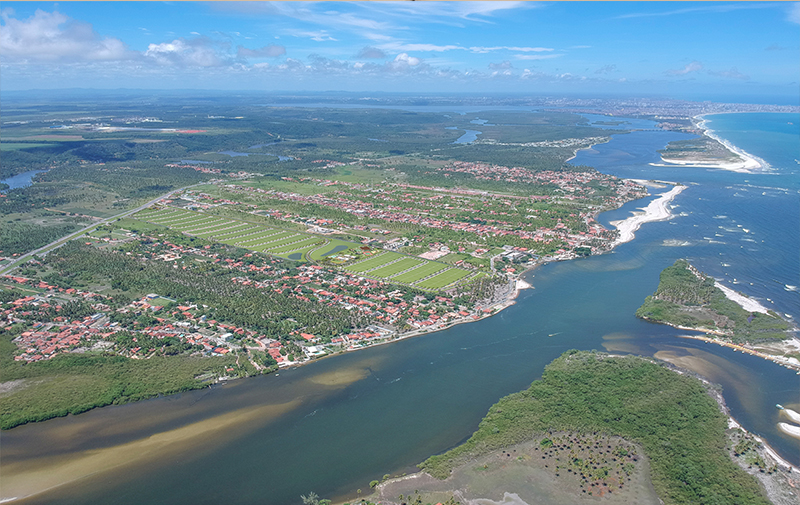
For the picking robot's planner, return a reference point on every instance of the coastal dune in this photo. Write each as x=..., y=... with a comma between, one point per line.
x=657, y=210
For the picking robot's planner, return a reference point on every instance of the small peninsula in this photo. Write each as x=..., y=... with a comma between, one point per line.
x=688, y=299
x=709, y=151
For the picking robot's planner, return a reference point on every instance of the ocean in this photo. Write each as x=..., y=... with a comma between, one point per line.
x=333, y=426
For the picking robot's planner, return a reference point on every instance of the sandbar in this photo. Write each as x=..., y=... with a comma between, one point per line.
x=792, y=415
x=657, y=210
x=790, y=429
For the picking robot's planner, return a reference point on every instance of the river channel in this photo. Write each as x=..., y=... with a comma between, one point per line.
x=334, y=425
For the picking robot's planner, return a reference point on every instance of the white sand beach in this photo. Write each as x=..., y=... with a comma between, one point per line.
x=657, y=210
x=746, y=303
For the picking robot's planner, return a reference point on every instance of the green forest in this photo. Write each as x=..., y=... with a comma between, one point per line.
x=671, y=416
x=74, y=383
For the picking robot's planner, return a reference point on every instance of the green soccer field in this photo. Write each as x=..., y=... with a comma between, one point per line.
x=420, y=272
x=374, y=262
x=443, y=279
x=395, y=268
x=387, y=265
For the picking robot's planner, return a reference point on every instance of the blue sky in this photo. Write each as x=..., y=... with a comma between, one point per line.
x=678, y=49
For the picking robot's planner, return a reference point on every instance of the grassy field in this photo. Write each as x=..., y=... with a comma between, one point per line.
x=302, y=246
x=340, y=246
x=374, y=262
x=295, y=245
x=14, y=146
x=395, y=268
x=443, y=279
x=225, y=229
x=420, y=272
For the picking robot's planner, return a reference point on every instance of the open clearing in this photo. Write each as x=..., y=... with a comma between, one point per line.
x=536, y=473
x=299, y=246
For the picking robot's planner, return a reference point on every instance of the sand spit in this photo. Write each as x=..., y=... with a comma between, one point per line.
x=657, y=210
x=792, y=415
x=748, y=164
x=790, y=429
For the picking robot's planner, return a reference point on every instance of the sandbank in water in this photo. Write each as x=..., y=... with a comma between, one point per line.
x=657, y=210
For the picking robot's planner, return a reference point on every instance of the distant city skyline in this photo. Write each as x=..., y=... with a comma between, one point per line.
x=737, y=51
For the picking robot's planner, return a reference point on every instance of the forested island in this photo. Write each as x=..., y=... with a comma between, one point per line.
x=596, y=425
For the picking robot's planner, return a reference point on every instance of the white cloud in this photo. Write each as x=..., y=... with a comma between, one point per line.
x=198, y=52
x=54, y=36
x=691, y=67
x=607, y=69
x=405, y=59
x=505, y=65
x=399, y=46
x=308, y=13
x=319, y=35
x=378, y=37
x=537, y=56
x=271, y=51
x=446, y=12
x=705, y=8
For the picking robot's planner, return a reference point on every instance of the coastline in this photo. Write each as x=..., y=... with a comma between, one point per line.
x=750, y=164
x=780, y=360
x=575, y=151
x=657, y=210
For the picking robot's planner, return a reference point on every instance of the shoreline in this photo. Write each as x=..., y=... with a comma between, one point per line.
x=750, y=164
x=496, y=308
x=779, y=360
x=575, y=151
x=657, y=210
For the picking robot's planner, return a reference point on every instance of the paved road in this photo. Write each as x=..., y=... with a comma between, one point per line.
x=52, y=245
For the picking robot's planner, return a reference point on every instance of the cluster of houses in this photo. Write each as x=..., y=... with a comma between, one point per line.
x=48, y=338
x=376, y=301
x=367, y=209
x=568, y=181
x=396, y=200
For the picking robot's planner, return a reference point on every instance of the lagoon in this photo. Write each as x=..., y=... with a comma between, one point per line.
x=22, y=180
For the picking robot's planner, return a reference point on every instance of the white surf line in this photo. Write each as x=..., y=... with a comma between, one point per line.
x=744, y=302
x=657, y=210
x=748, y=164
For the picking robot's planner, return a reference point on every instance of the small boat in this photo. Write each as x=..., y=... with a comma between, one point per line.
x=779, y=406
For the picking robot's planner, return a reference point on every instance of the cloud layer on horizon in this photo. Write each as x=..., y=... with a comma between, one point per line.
x=268, y=43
